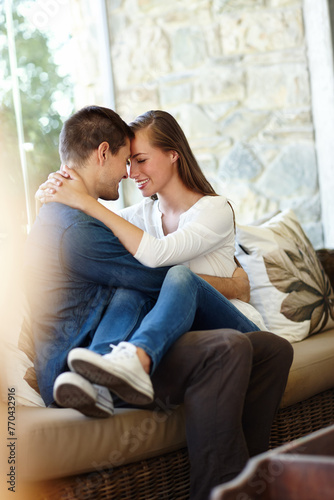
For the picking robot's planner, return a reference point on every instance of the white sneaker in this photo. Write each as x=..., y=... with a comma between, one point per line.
x=120, y=371
x=70, y=390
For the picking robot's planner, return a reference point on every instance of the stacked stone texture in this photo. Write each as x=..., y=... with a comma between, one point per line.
x=235, y=74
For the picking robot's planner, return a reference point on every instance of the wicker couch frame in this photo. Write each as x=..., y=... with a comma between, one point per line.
x=167, y=476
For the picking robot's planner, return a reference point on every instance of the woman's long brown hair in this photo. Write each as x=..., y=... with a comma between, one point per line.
x=165, y=133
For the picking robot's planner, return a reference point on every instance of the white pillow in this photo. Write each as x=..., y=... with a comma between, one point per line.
x=19, y=353
x=288, y=284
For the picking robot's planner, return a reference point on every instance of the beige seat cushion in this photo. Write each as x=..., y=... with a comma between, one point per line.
x=57, y=442
x=312, y=370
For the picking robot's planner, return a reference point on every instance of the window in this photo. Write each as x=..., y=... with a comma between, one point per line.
x=36, y=94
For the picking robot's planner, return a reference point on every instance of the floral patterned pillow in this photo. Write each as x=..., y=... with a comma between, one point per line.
x=288, y=284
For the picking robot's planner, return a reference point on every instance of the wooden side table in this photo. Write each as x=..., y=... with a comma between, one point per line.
x=300, y=470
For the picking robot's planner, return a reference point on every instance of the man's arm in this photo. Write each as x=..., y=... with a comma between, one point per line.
x=236, y=287
x=91, y=253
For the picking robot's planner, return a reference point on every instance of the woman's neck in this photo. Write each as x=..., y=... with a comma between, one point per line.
x=177, y=201
x=173, y=204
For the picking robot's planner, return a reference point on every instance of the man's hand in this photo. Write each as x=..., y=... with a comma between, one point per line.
x=242, y=284
x=236, y=287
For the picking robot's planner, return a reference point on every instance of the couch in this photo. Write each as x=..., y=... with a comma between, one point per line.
x=141, y=454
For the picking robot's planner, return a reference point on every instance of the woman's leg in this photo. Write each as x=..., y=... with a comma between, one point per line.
x=186, y=302
x=121, y=318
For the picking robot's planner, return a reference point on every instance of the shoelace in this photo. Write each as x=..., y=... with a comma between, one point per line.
x=123, y=348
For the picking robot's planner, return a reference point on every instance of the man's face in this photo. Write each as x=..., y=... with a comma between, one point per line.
x=113, y=172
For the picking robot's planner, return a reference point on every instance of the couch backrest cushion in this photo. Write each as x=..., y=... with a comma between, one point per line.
x=326, y=257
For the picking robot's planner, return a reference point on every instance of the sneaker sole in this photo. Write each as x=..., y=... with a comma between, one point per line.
x=118, y=382
x=69, y=395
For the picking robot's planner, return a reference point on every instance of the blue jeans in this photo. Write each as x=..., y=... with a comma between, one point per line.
x=186, y=302
x=121, y=319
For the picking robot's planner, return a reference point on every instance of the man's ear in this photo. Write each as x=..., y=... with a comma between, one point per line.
x=102, y=151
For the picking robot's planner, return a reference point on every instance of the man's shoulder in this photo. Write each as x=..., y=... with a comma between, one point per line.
x=57, y=225
x=64, y=216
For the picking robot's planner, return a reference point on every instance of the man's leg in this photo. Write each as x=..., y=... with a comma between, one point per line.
x=209, y=372
x=272, y=358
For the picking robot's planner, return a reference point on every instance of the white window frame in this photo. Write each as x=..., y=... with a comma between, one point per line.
x=320, y=56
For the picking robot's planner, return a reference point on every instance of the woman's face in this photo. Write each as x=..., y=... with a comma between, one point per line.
x=151, y=168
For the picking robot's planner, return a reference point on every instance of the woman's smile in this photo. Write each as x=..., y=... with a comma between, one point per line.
x=141, y=184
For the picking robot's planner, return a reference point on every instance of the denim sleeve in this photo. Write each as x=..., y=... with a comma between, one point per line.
x=91, y=252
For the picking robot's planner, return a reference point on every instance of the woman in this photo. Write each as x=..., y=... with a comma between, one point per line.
x=181, y=220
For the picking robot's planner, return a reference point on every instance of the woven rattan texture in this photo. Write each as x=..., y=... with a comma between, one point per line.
x=163, y=477
x=303, y=418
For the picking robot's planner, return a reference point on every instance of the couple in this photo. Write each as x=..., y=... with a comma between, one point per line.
x=90, y=286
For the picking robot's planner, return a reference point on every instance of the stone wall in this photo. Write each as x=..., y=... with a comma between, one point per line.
x=235, y=75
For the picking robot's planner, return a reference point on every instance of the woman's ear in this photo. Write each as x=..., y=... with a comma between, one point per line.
x=174, y=156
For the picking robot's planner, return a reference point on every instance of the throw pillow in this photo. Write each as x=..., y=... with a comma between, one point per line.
x=288, y=284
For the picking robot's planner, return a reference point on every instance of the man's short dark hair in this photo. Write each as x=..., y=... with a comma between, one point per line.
x=84, y=131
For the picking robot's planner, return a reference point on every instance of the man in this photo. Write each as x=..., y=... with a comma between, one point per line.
x=230, y=383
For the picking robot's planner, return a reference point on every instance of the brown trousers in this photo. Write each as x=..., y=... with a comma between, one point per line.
x=231, y=385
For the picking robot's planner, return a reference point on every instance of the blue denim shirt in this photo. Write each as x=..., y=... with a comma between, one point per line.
x=73, y=265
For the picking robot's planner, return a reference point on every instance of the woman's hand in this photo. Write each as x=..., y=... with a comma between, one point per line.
x=65, y=186
x=48, y=186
